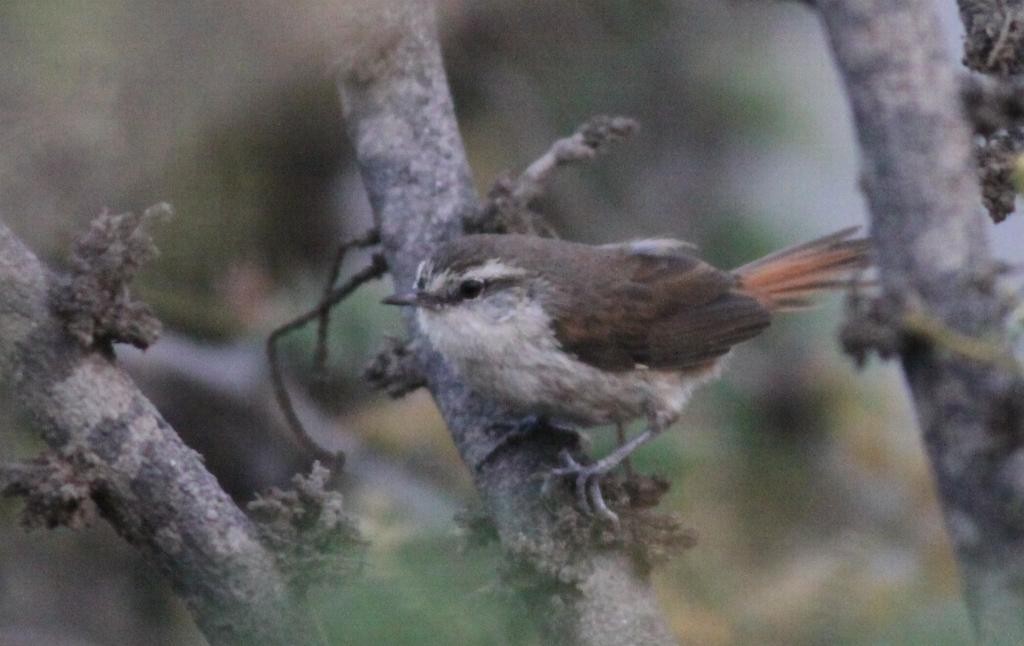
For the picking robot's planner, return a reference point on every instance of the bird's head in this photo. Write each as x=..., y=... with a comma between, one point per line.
x=469, y=275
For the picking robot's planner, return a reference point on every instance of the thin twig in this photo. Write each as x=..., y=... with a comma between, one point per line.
x=1004, y=35
x=368, y=239
x=507, y=209
x=590, y=139
x=376, y=269
x=987, y=351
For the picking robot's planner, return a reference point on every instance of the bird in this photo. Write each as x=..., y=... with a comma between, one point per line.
x=592, y=335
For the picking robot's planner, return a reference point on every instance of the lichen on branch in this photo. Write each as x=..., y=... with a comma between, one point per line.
x=308, y=531
x=995, y=35
x=94, y=299
x=57, y=487
x=999, y=161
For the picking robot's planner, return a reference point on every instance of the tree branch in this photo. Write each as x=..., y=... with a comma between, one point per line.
x=590, y=139
x=934, y=265
x=399, y=115
x=151, y=487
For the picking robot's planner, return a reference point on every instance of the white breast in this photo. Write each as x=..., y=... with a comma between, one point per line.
x=507, y=350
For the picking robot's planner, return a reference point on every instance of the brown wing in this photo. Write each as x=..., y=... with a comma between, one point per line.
x=662, y=311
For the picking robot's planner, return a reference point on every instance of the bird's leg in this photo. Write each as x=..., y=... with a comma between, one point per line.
x=588, y=477
x=620, y=435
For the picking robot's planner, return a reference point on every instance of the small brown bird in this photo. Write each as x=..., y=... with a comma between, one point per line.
x=594, y=335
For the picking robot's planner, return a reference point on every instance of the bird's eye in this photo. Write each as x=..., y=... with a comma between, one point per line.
x=471, y=288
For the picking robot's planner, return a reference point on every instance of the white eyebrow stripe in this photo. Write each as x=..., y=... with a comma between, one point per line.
x=493, y=269
x=437, y=280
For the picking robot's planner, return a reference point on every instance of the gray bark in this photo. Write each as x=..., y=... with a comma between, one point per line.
x=143, y=479
x=938, y=289
x=399, y=116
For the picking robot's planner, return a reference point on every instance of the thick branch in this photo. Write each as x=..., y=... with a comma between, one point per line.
x=151, y=487
x=399, y=116
x=919, y=179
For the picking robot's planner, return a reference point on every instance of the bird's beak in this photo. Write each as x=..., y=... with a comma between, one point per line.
x=407, y=298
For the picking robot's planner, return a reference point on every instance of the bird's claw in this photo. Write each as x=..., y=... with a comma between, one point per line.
x=587, y=484
x=588, y=477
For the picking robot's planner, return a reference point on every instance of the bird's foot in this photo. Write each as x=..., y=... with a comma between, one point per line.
x=587, y=477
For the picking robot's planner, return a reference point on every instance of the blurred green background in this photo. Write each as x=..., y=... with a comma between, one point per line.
x=804, y=479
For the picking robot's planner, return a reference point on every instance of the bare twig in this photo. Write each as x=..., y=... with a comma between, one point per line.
x=889, y=327
x=368, y=239
x=590, y=139
x=376, y=269
x=1001, y=45
x=508, y=205
x=978, y=350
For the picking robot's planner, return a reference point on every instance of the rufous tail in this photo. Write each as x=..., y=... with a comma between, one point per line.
x=790, y=279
